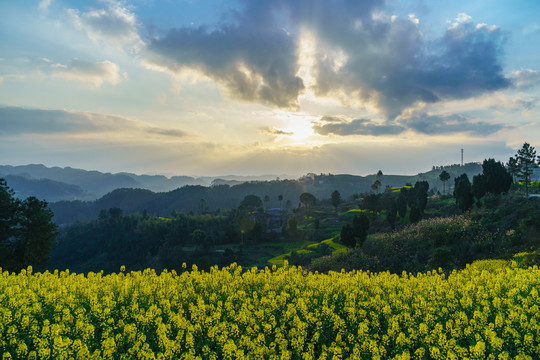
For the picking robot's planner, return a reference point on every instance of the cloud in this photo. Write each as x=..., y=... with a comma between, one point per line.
x=115, y=25
x=85, y=71
x=276, y=132
x=361, y=54
x=167, y=132
x=18, y=121
x=253, y=64
x=526, y=78
x=342, y=127
x=448, y=124
x=44, y=5
x=418, y=122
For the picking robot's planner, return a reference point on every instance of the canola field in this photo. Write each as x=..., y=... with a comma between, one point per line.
x=283, y=313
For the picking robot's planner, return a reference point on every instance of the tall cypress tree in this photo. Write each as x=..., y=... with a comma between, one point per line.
x=526, y=158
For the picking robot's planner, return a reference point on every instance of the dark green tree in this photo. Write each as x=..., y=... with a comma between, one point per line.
x=35, y=233
x=27, y=232
x=360, y=226
x=513, y=167
x=8, y=219
x=201, y=240
x=463, y=192
x=251, y=202
x=402, y=202
x=376, y=185
x=336, y=199
x=497, y=179
x=293, y=224
x=421, y=191
x=380, y=177
x=479, y=186
x=308, y=200
x=347, y=236
x=415, y=214
x=444, y=176
x=526, y=159
x=391, y=214
x=203, y=207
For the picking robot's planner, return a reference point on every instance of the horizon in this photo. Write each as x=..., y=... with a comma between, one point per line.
x=223, y=176
x=268, y=87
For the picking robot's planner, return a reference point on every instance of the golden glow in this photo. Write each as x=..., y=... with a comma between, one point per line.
x=298, y=127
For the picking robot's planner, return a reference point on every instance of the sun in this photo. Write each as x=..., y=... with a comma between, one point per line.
x=297, y=128
x=301, y=130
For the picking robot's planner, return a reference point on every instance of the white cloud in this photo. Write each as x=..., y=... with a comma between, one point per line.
x=526, y=78
x=44, y=5
x=85, y=71
x=114, y=25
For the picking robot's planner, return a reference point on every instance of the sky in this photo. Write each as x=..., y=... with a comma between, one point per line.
x=252, y=87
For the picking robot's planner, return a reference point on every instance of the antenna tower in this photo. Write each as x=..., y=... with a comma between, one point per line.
x=461, y=157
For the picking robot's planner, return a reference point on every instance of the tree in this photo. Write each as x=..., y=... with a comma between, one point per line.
x=444, y=176
x=201, y=240
x=293, y=224
x=308, y=200
x=402, y=202
x=415, y=214
x=360, y=226
x=526, y=159
x=391, y=214
x=280, y=198
x=513, y=167
x=421, y=191
x=347, y=236
x=336, y=199
x=497, y=179
x=266, y=200
x=8, y=210
x=479, y=186
x=27, y=232
x=463, y=192
x=380, y=176
x=376, y=185
x=203, y=207
x=251, y=202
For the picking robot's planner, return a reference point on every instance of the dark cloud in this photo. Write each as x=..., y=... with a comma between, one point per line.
x=18, y=120
x=362, y=52
x=167, y=132
x=356, y=127
x=254, y=64
x=421, y=123
x=276, y=132
x=449, y=124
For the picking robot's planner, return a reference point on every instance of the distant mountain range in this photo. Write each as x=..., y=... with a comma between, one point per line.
x=79, y=195
x=56, y=183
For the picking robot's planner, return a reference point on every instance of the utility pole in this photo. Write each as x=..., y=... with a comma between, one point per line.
x=461, y=157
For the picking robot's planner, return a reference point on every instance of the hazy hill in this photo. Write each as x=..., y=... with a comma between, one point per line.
x=44, y=188
x=198, y=198
x=95, y=184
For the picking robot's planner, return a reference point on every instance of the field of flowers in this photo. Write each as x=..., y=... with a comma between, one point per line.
x=482, y=312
